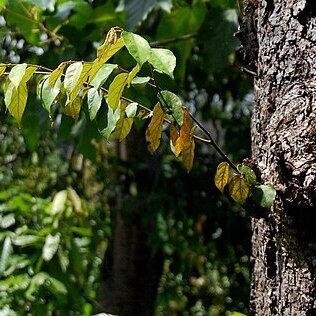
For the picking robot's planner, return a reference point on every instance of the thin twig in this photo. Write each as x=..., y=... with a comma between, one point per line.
x=173, y=40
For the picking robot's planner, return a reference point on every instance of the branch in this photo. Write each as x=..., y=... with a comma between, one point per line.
x=173, y=40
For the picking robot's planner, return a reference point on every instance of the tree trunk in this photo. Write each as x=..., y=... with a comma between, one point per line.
x=284, y=150
x=132, y=267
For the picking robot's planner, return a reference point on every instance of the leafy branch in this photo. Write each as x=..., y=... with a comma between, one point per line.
x=72, y=82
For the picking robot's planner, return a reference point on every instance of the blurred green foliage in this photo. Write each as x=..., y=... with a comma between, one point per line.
x=57, y=182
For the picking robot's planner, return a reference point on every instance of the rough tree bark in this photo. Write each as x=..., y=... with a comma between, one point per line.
x=283, y=56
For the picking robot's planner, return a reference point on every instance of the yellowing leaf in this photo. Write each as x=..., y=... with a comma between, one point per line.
x=2, y=69
x=73, y=108
x=188, y=152
x=154, y=130
x=123, y=125
x=17, y=101
x=86, y=67
x=238, y=189
x=56, y=74
x=16, y=95
x=28, y=73
x=185, y=131
x=116, y=89
x=132, y=74
x=110, y=46
x=222, y=176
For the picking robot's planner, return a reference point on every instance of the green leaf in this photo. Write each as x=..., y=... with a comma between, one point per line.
x=14, y=283
x=50, y=246
x=72, y=76
x=25, y=240
x=238, y=189
x=59, y=202
x=102, y=75
x=116, y=89
x=2, y=4
x=5, y=254
x=248, y=173
x=264, y=195
x=222, y=176
x=131, y=110
x=163, y=60
x=137, y=46
x=17, y=73
x=94, y=102
x=172, y=106
x=112, y=119
x=56, y=286
x=47, y=93
x=7, y=221
x=140, y=80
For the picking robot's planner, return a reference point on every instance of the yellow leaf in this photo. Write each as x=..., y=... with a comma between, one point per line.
x=174, y=135
x=111, y=45
x=132, y=74
x=188, y=152
x=238, y=189
x=16, y=101
x=222, y=176
x=56, y=74
x=16, y=96
x=2, y=69
x=154, y=130
x=116, y=89
x=185, y=131
x=73, y=108
x=28, y=73
x=123, y=125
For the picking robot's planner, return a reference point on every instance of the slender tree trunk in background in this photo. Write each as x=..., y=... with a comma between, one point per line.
x=132, y=268
x=284, y=149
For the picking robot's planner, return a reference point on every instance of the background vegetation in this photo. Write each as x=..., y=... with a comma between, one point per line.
x=59, y=179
